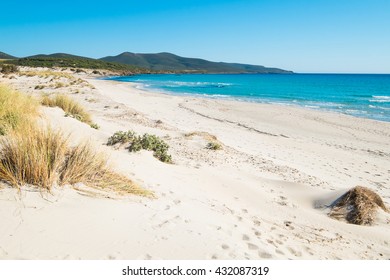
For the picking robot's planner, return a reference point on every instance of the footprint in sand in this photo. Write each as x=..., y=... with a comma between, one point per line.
x=288, y=224
x=264, y=255
x=257, y=233
x=277, y=251
x=245, y=237
x=256, y=222
x=224, y=246
x=252, y=246
x=295, y=253
x=279, y=242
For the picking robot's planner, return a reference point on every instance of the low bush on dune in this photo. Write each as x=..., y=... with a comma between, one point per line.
x=16, y=109
x=151, y=143
x=357, y=206
x=147, y=142
x=70, y=107
x=121, y=137
x=213, y=146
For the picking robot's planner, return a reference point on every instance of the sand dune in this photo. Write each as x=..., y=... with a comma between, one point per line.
x=257, y=198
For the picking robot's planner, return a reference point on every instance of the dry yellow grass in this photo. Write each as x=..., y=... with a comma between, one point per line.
x=47, y=74
x=85, y=164
x=16, y=110
x=205, y=135
x=32, y=157
x=43, y=158
x=357, y=206
x=212, y=141
x=70, y=107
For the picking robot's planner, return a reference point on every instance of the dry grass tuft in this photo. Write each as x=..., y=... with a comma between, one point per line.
x=47, y=74
x=32, y=157
x=205, y=135
x=212, y=141
x=70, y=107
x=84, y=164
x=16, y=110
x=43, y=158
x=357, y=206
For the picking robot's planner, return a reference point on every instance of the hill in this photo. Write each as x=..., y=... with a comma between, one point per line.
x=58, y=55
x=6, y=56
x=72, y=61
x=170, y=62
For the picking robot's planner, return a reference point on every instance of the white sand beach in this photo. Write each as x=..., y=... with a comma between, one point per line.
x=258, y=197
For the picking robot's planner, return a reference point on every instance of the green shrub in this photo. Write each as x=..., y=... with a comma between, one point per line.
x=151, y=143
x=121, y=137
x=214, y=146
x=146, y=142
x=95, y=126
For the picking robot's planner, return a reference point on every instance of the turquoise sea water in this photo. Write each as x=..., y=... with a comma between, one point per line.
x=366, y=96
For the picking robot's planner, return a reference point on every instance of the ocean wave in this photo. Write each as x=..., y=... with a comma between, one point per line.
x=195, y=84
x=378, y=107
x=380, y=99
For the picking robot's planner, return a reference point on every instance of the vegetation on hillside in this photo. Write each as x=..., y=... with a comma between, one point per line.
x=86, y=63
x=6, y=56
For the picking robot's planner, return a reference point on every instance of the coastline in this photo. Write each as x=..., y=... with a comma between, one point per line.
x=251, y=200
x=346, y=94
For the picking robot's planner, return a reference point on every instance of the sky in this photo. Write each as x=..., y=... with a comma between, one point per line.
x=305, y=36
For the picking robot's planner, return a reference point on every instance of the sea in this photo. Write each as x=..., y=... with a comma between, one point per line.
x=360, y=95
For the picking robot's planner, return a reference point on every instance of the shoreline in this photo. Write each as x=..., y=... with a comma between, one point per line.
x=277, y=105
x=254, y=199
x=292, y=103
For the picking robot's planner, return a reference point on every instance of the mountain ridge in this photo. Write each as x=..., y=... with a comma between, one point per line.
x=6, y=56
x=163, y=62
x=166, y=61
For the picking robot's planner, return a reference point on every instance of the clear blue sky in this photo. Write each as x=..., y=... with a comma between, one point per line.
x=301, y=35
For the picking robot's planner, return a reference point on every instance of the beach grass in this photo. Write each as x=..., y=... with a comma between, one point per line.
x=84, y=164
x=16, y=110
x=47, y=74
x=32, y=157
x=31, y=154
x=43, y=157
x=70, y=107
